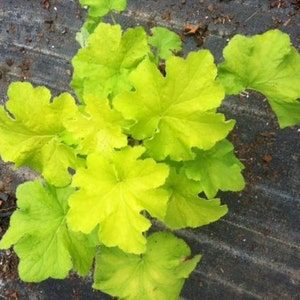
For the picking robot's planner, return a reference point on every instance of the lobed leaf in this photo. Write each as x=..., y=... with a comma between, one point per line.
x=113, y=191
x=32, y=132
x=216, y=169
x=157, y=274
x=97, y=127
x=101, y=8
x=102, y=67
x=175, y=113
x=185, y=208
x=38, y=230
x=165, y=41
x=266, y=63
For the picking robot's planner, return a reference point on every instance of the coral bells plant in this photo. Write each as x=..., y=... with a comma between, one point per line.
x=138, y=144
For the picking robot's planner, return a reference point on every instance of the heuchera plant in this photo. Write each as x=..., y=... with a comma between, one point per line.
x=139, y=144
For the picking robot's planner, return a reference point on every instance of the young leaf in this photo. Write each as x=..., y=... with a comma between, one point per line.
x=216, y=169
x=266, y=63
x=41, y=238
x=157, y=274
x=97, y=127
x=103, y=66
x=86, y=30
x=185, y=208
x=165, y=41
x=177, y=112
x=32, y=131
x=100, y=8
x=114, y=190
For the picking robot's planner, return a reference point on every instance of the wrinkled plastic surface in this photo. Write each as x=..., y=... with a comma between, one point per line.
x=252, y=253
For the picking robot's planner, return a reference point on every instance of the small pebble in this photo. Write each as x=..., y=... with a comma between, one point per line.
x=3, y=196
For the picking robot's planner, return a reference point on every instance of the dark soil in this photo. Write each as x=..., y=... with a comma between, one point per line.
x=254, y=252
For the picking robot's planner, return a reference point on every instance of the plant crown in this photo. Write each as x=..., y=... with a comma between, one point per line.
x=141, y=144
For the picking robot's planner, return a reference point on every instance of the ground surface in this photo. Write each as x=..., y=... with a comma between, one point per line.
x=254, y=252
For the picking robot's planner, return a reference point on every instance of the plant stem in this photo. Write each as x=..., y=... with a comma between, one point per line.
x=113, y=19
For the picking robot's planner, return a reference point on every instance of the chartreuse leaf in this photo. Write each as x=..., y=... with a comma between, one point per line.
x=32, y=131
x=216, y=169
x=165, y=41
x=113, y=191
x=185, y=208
x=103, y=66
x=100, y=8
x=97, y=127
x=175, y=113
x=159, y=273
x=266, y=63
x=38, y=230
x=97, y=9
